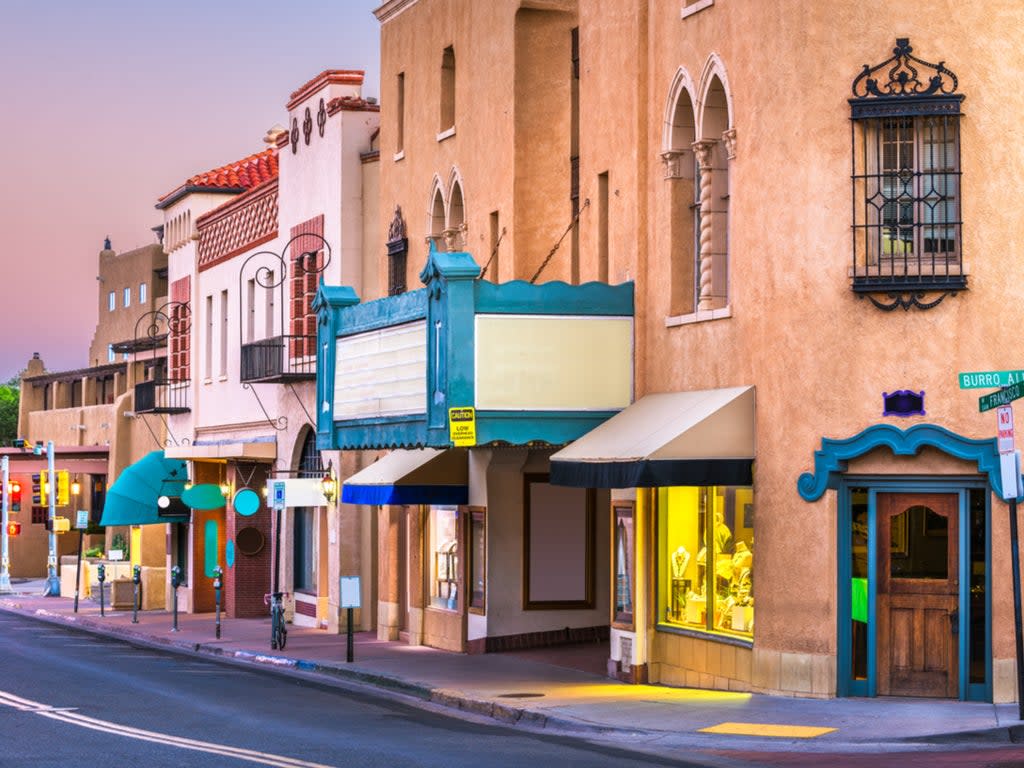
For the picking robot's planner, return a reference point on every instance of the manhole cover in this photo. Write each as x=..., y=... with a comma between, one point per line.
x=520, y=695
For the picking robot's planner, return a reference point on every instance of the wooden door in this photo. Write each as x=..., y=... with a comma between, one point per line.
x=918, y=594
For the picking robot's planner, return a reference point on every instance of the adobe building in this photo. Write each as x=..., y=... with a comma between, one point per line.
x=799, y=497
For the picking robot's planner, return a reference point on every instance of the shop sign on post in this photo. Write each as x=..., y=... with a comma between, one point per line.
x=462, y=426
x=349, y=592
x=82, y=518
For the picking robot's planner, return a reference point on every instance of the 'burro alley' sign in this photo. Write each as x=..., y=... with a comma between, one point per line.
x=989, y=379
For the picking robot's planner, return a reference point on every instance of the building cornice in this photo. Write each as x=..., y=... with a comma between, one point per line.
x=327, y=77
x=188, y=189
x=391, y=9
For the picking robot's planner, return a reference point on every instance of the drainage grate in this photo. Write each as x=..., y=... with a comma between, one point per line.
x=520, y=695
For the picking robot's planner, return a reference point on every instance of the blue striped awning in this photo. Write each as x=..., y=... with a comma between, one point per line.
x=420, y=476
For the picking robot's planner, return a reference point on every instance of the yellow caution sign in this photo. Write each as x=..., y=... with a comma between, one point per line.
x=462, y=426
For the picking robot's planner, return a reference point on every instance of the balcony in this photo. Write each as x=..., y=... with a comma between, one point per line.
x=162, y=396
x=279, y=359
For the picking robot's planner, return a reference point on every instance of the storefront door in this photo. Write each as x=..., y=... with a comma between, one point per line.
x=918, y=594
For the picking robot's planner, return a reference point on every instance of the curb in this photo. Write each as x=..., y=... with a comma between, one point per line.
x=450, y=699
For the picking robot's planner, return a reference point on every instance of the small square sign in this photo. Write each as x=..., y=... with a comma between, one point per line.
x=279, y=495
x=82, y=518
x=349, y=592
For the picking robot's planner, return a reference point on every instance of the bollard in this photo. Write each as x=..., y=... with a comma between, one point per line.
x=136, y=578
x=175, y=583
x=217, y=573
x=101, y=576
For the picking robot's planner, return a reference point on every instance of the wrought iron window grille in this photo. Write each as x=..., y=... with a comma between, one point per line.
x=905, y=148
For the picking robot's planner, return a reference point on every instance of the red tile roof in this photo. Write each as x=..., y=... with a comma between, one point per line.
x=241, y=175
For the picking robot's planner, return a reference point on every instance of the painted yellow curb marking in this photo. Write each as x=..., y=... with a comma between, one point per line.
x=768, y=729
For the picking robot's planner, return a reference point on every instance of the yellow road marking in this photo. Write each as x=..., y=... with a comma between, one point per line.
x=768, y=729
x=105, y=726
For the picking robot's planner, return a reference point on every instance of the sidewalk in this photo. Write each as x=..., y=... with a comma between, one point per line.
x=520, y=689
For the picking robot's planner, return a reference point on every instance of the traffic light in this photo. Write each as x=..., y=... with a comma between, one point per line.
x=63, y=488
x=39, y=497
x=15, y=496
x=13, y=529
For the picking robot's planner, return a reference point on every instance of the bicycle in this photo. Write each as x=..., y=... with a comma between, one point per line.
x=278, y=630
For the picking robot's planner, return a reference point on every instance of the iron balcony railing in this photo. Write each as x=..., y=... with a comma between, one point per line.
x=279, y=359
x=162, y=396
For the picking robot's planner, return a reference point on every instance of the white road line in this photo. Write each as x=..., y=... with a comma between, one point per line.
x=65, y=715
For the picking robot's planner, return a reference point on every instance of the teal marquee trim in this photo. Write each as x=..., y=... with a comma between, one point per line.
x=831, y=460
x=383, y=313
x=448, y=303
x=554, y=298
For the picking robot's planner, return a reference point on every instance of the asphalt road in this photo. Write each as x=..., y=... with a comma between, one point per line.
x=68, y=699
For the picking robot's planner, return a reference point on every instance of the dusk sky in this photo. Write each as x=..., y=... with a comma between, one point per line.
x=110, y=104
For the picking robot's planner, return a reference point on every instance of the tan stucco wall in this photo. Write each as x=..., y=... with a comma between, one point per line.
x=819, y=357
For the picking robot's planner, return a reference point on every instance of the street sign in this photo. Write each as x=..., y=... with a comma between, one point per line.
x=1002, y=397
x=989, y=379
x=82, y=518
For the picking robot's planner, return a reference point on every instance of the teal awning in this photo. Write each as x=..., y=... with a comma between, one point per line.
x=132, y=499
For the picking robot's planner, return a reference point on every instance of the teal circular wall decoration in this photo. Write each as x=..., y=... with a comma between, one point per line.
x=247, y=502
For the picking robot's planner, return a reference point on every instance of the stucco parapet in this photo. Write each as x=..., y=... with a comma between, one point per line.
x=325, y=78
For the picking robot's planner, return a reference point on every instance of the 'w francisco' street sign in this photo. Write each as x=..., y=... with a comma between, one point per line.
x=1002, y=397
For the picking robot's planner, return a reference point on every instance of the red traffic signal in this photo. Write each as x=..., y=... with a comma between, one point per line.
x=15, y=496
x=13, y=529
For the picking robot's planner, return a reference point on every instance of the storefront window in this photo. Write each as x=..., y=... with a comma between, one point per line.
x=444, y=557
x=705, y=567
x=477, y=560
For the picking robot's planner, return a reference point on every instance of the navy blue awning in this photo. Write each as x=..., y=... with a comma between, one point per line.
x=703, y=437
x=421, y=476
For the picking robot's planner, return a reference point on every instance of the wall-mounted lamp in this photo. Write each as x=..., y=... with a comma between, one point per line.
x=225, y=489
x=76, y=488
x=329, y=484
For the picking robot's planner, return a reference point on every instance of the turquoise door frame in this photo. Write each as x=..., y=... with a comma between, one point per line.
x=846, y=684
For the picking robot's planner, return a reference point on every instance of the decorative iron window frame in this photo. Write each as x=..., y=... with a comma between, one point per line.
x=906, y=93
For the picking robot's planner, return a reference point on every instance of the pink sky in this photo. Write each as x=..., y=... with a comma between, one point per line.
x=112, y=103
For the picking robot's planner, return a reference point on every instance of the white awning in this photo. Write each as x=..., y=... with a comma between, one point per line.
x=703, y=437
x=421, y=476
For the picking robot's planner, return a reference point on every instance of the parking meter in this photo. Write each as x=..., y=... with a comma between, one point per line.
x=175, y=583
x=101, y=576
x=218, y=572
x=136, y=579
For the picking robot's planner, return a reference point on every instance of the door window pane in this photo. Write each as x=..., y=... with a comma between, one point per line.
x=920, y=545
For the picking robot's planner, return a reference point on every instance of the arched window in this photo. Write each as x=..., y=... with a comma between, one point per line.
x=304, y=559
x=436, y=223
x=454, y=233
x=683, y=197
x=714, y=151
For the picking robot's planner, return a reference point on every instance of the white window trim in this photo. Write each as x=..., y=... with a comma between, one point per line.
x=400, y=155
x=696, y=7
x=446, y=134
x=701, y=316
